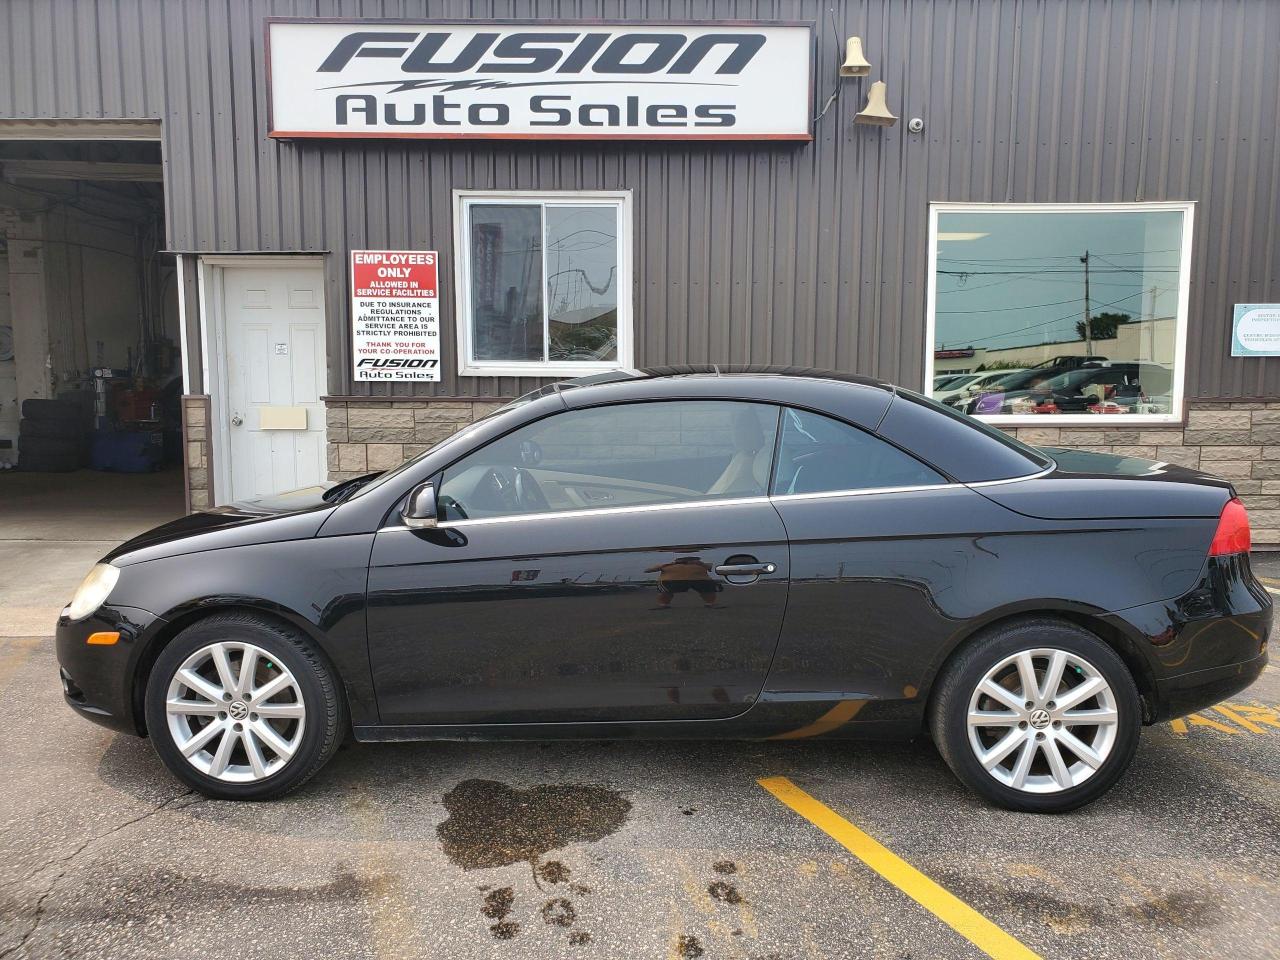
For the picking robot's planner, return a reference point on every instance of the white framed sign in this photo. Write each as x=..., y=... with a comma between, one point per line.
x=395, y=314
x=1255, y=330
x=703, y=80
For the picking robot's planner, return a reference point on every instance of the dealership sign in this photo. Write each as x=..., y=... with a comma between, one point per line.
x=395, y=315
x=540, y=80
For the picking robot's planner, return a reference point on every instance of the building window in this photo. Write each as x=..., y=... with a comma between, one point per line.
x=1072, y=311
x=544, y=283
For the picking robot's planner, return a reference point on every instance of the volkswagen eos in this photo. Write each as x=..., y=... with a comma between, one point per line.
x=751, y=553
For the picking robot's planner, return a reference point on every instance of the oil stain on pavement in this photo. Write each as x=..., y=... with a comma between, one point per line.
x=491, y=824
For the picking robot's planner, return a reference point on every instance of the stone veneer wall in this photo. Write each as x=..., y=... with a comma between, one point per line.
x=1238, y=440
x=366, y=435
x=196, y=454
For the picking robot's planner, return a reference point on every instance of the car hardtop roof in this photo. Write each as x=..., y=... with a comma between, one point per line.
x=724, y=371
x=860, y=400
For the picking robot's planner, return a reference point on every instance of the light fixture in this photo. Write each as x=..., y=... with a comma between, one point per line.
x=876, y=112
x=855, y=64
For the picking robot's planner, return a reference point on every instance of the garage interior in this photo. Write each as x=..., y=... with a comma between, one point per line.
x=90, y=356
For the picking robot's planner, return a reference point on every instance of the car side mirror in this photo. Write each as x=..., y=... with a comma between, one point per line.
x=419, y=510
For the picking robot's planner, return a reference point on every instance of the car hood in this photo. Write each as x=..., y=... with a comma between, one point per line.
x=294, y=515
x=1083, y=485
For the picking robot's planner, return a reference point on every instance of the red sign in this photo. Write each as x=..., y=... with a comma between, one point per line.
x=395, y=315
x=386, y=273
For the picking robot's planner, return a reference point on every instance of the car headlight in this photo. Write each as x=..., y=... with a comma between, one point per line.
x=93, y=591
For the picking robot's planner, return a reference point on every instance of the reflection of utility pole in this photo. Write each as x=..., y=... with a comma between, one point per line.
x=1151, y=324
x=1088, y=321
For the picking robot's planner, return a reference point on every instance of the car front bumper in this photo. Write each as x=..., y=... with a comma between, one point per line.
x=98, y=680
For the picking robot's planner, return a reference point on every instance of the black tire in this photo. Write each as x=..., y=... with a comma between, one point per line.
x=34, y=409
x=61, y=429
x=959, y=680
x=41, y=447
x=49, y=464
x=326, y=713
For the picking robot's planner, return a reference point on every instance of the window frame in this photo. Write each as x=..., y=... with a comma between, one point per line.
x=463, y=202
x=1177, y=399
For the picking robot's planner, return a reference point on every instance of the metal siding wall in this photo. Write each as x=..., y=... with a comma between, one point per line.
x=810, y=254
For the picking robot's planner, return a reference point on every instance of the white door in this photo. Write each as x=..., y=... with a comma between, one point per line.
x=274, y=351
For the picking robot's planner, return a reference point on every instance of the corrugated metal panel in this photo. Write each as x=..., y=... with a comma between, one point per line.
x=787, y=254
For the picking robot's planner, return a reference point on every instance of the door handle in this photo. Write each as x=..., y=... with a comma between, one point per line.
x=237, y=420
x=744, y=569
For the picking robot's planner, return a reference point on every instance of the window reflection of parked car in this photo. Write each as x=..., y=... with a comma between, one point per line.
x=990, y=399
x=1122, y=385
x=950, y=381
x=975, y=385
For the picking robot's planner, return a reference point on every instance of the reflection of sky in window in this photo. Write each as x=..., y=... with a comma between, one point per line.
x=1013, y=279
x=582, y=259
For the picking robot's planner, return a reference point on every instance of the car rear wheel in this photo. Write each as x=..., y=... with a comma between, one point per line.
x=1037, y=715
x=243, y=708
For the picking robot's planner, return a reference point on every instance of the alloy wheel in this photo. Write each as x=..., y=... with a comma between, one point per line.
x=1042, y=720
x=235, y=712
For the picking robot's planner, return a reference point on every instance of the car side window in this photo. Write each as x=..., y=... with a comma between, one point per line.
x=623, y=455
x=819, y=455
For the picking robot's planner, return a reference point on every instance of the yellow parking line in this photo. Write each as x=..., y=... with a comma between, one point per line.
x=948, y=908
x=1230, y=714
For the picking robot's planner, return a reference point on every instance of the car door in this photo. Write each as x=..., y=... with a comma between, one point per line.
x=880, y=545
x=610, y=563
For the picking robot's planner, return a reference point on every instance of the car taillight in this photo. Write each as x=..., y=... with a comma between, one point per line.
x=1232, y=535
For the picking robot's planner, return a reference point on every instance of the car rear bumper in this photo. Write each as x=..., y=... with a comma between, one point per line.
x=97, y=679
x=1189, y=692
x=1205, y=645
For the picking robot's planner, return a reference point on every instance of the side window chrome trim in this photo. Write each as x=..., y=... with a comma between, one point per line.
x=864, y=491
x=724, y=502
x=591, y=512
x=1030, y=476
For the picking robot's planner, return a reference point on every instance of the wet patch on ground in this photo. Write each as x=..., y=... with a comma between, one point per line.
x=491, y=824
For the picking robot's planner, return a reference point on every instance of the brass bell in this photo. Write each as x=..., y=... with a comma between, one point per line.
x=876, y=112
x=855, y=64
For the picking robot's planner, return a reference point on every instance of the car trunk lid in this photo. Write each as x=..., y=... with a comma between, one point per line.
x=1083, y=485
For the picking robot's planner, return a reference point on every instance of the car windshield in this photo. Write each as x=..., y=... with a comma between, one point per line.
x=1073, y=378
x=1018, y=380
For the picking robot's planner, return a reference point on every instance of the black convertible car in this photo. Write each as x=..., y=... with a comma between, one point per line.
x=687, y=553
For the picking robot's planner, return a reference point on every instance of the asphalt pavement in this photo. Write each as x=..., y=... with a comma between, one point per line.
x=631, y=850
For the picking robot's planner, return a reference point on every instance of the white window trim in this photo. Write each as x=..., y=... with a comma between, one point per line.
x=1186, y=208
x=467, y=367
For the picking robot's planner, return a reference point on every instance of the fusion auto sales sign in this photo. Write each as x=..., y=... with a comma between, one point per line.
x=540, y=80
x=395, y=314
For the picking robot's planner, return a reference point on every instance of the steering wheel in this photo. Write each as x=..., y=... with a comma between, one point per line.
x=528, y=493
x=499, y=489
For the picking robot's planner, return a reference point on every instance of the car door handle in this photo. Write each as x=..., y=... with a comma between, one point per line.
x=744, y=569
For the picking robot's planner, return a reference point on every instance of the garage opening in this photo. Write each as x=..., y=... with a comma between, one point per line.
x=90, y=362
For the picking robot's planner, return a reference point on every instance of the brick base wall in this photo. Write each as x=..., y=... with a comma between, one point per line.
x=369, y=435
x=1237, y=440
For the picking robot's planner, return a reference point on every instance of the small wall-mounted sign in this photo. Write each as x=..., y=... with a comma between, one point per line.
x=1255, y=330
x=395, y=315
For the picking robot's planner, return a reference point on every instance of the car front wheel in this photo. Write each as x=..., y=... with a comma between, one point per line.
x=1037, y=715
x=243, y=708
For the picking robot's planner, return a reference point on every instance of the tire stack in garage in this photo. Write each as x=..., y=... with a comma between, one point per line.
x=51, y=436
